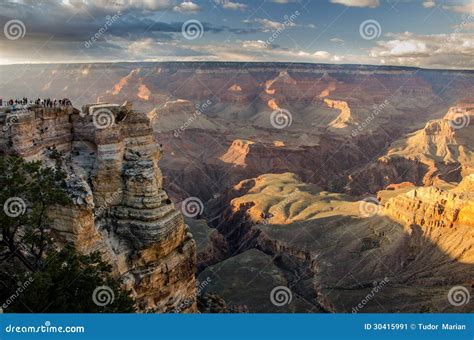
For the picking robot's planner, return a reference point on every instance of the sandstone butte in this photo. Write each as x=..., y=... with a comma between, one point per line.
x=119, y=205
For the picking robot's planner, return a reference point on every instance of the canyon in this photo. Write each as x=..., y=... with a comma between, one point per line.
x=332, y=250
x=329, y=180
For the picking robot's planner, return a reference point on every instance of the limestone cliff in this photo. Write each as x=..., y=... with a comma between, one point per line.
x=119, y=205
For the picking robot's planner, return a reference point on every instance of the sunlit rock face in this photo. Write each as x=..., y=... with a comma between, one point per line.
x=119, y=205
x=340, y=254
x=442, y=151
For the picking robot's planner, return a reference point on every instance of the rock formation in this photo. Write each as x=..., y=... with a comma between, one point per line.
x=120, y=207
x=442, y=151
x=334, y=252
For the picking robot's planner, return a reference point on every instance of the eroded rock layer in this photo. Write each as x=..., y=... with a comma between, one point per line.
x=439, y=152
x=119, y=205
x=344, y=255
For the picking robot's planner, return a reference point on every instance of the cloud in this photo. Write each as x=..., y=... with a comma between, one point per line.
x=428, y=4
x=465, y=25
x=357, y=3
x=187, y=7
x=114, y=6
x=269, y=25
x=57, y=31
x=322, y=54
x=235, y=6
x=255, y=44
x=284, y=1
x=466, y=8
x=463, y=8
x=453, y=50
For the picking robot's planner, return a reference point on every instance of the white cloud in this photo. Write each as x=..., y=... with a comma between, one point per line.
x=153, y=5
x=322, y=55
x=428, y=4
x=270, y=25
x=357, y=3
x=410, y=47
x=337, y=40
x=465, y=25
x=254, y=44
x=437, y=50
x=187, y=6
x=467, y=8
x=235, y=6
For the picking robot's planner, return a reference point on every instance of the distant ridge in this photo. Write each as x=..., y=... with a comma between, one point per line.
x=231, y=64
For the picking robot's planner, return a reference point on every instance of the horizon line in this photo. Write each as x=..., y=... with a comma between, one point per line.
x=242, y=62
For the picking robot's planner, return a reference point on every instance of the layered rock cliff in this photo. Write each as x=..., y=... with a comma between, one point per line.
x=439, y=152
x=120, y=207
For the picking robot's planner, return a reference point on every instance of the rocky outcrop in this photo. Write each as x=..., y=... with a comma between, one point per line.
x=431, y=207
x=440, y=152
x=119, y=205
x=344, y=117
x=28, y=132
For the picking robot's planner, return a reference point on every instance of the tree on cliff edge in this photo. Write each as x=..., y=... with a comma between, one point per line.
x=27, y=190
x=36, y=276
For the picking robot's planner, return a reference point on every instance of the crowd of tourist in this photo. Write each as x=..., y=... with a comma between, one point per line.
x=45, y=102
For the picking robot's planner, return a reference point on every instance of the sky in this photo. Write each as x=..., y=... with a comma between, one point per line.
x=430, y=34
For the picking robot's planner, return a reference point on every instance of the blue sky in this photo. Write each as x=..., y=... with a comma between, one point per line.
x=437, y=34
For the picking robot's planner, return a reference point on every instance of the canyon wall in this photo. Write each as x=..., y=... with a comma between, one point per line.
x=442, y=151
x=119, y=205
